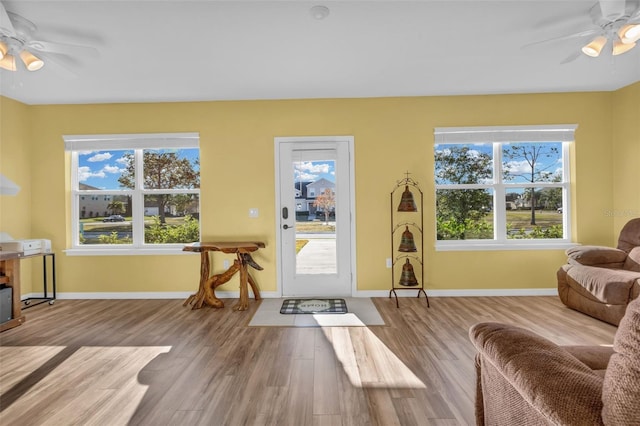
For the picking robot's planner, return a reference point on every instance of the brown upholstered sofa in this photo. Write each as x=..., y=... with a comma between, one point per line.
x=525, y=379
x=601, y=281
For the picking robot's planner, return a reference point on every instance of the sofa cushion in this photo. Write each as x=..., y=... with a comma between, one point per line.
x=632, y=263
x=621, y=386
x=629, y=235
x=612, y=286
x=594, y=357
x=596, y=255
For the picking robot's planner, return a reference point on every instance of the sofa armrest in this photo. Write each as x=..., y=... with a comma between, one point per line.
x=605, y=257
x=554, y=383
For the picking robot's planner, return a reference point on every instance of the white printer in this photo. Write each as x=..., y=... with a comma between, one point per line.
x=27, y=247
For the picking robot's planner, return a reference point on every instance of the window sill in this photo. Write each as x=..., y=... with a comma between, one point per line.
x=479, y=246
x=125, y=251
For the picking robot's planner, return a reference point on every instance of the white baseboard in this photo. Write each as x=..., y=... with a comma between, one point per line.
x=464, y=293
x=274, y=294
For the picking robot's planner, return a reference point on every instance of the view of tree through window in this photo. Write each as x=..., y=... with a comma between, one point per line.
x=137, y=197
x=495, y=191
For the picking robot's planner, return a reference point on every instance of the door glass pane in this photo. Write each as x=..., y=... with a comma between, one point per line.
x=315, y=205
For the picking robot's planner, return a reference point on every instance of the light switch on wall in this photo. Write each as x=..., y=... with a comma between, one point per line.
x=253, y=212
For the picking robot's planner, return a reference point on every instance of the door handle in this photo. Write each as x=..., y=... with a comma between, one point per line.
x=285, y=226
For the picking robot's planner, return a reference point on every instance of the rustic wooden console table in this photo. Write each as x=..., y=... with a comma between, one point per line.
x=206, y=291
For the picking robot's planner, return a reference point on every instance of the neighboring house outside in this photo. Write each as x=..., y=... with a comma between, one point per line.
x=172, y=210
x=93, y=205
x=191, y=209
x=97, y=205
x=303, y=203
x=306, y=193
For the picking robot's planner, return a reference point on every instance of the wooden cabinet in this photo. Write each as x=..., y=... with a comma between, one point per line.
x=407, y=238
x=10, y=277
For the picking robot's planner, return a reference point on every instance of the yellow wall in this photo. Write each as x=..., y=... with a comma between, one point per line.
x=392, y=135
x=15, y=164
x=626, y=155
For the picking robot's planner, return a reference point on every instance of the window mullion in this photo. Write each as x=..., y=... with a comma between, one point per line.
x=566, y=191
x=137, y=201
x=500, y=209
x=75, y=201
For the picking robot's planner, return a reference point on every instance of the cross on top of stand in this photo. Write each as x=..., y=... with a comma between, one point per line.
x=407, y=180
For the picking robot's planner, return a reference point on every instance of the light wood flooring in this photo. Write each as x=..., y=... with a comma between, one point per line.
x=154, y=362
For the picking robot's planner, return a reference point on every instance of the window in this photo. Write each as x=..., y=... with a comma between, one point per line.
x=134, y=193
x=502, y=187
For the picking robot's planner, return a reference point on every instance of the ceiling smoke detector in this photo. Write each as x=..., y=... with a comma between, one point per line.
x=319, y=12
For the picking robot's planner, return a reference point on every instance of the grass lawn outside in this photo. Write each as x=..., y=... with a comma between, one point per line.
x=300, y=244
x=92, y=228
x=522, y=218
x=548, y=224
x=519, y=223
x=304, y=227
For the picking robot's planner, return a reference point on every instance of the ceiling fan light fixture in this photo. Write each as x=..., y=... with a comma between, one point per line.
x=629, y=33
x=319, y=12
x=594, y=48
x=619, y=47
x=32, y=62
x=8, y=62
x=3, y=49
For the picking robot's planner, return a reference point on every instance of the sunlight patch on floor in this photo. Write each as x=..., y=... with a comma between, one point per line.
x=368, y=362
x=102, y=384
x=17, y=362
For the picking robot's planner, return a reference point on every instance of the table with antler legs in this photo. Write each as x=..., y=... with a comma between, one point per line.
x=206, y=291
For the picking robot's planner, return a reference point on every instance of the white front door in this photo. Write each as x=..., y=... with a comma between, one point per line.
x=315, y=201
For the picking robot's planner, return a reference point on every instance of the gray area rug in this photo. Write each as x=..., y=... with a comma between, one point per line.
x=362, y=313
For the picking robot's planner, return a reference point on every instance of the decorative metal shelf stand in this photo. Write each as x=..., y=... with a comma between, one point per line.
x=407, y=238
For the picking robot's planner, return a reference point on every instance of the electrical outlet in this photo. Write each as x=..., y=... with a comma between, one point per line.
x=389, y=264
x=225, y=264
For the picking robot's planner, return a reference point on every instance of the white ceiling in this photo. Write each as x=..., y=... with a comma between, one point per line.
x=215, y=50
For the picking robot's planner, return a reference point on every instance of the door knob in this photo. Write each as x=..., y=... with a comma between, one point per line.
x=285, y=226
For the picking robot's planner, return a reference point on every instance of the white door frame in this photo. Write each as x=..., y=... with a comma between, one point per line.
x=352, y=202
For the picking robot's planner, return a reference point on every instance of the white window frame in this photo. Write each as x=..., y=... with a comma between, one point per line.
x=135, y=142
x=497, y=136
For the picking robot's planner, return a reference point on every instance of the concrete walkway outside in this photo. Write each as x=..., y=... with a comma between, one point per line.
x=318, y=256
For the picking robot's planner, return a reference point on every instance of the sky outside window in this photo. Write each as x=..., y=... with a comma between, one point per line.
x=101, y=169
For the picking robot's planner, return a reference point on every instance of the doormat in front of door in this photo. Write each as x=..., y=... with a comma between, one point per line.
x=314, y=306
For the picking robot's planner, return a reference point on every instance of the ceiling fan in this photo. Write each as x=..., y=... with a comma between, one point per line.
x=17, y=41
x=617, y=24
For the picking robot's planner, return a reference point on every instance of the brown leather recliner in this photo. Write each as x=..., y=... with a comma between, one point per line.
x=601, y=281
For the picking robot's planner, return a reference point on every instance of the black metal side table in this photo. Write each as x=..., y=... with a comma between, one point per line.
x=27, y=303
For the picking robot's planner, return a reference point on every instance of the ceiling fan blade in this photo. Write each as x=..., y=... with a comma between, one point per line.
x=635, y=17
x=565, y=37
x=62, y=48
x=571, y=58
x=60, y=65
x=6, y=26
x=612, y=9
